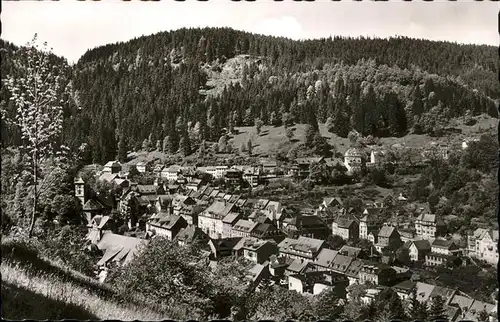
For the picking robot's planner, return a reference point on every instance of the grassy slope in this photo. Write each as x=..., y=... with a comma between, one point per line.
x=35, y=288
x=273, y=138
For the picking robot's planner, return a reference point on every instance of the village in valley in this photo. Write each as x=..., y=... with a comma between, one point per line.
x=334, y=244
x=283, y=164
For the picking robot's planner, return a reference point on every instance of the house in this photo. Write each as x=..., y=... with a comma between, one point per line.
x=233, y=176
x=143, y=166
x=112, y=167
x=223, y=247
x=257, y=251
x=346, y=228
x=157, y=169
x=94, y=207
x=303, y=248
x=418, y=249
x=301, y=167
x=443, y=252
x=171, y=173
x=150, y=189
x=308, y=226
x=299, y=267
x=191, y=212
x=243, y=228
x=352, y=271
x=275, y=212
x=210, y=220
x=353, y=159
x=483, y=244
x=354, y=252
x=388, y=236
x=268, y=166
x=325, y=258
x=341, y=263
x=367, y=223
x=429, y=226
x=191, y=235
x=331, y=202
x=166, y=225
x=164, y=203
x=251, y=175
x=218, y=172
x=277, y=266
x=377, y=273
x=119, y=249
x=98, y=225
x=315, y=282
x=405, y=289
x=194, y=184
x=228, y=222
x=267, y=231
x=474, y=311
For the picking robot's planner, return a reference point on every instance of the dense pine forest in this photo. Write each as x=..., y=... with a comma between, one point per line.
x=156, y=88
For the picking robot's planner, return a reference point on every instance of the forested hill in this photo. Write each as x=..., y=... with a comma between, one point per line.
x=183, y=87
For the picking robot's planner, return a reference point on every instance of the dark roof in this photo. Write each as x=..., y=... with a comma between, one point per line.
x=354, y=268
x=350, y=251
x=92, y=205
x=442, y=243
x=422, y=244
x=190, y=233
x=341, y=262
x=405, y=285
x=325, y=257
x=166, y=221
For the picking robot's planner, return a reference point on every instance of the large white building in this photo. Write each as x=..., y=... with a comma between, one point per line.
x=483, y=244
x=353, y=159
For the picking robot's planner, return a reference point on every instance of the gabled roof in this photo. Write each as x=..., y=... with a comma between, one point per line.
x=345, y=223
x=231, y=218
x=405, y=286
x=430, y=218
x=341, y=263
x=121, y=247
x=107, y=177
x=302, y=244
x=219, y=209
x=424, y=291
x=225, y=243
x=354, y=268
x=444, y=292
x=251, y=243
x=244, y=225
x=99, y=221
x=190, y=233
x=461, y=301
x=350, y=251
x=443, y=243
x=92, y=205
x=386, y=231
x=166, y=221
x=298, y=266
x=421, y=244
x=325, y=257
x=146, y=189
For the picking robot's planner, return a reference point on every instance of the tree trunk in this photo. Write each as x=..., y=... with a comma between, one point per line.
x=35, y=197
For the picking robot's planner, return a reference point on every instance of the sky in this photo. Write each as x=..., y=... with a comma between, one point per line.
x=72, y=27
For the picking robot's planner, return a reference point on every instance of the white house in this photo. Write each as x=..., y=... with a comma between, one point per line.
x=483, y=244
x=353, y=159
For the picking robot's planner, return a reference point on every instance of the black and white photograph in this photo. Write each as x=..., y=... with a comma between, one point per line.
x=250, y=160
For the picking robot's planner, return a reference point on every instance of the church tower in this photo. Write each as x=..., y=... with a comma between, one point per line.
x=80, y=190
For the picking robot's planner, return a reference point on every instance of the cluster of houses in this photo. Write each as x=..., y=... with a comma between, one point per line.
x=285, y=246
